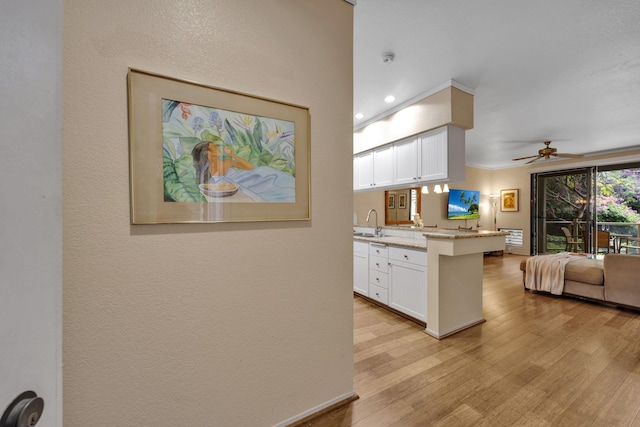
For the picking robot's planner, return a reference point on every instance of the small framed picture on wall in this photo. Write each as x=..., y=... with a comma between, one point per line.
x=509, y=200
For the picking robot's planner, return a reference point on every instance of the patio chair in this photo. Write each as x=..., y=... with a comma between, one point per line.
x=603, y=241
x=572, y=242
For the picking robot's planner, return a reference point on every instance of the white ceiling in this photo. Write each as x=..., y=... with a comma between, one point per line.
x=560, y=70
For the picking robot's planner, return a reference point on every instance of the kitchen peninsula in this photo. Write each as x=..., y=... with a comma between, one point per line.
x=431, y=275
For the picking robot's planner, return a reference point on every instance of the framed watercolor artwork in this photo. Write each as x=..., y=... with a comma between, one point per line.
x=509, y=200
x=203, y=154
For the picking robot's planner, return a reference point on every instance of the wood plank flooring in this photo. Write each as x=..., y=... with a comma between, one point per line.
x=538, y=360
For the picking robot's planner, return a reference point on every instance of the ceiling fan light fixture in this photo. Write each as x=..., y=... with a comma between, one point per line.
x=546, y=153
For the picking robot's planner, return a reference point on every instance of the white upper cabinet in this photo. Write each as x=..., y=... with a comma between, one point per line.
x=373, y=169
x=431, y=157
x=441, y=155
x=432, y=148
x=363, y=170
x=405, y=165
x=383, y=166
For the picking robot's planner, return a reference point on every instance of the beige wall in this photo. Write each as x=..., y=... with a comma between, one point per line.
x=449, y=106
x=204, y=324
x=434, y=206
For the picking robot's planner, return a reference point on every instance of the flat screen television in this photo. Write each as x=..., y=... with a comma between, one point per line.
x=463, y=204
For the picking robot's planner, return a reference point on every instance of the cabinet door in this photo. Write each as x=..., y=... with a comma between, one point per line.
x=405, y=159
x=361, y=273
x=383, y=166
x=363, y=165
x=355, y=172
x=432, y=149
x=408, y=289
x=379, y=294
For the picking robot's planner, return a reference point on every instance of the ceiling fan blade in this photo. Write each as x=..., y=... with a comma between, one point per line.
x=536, y=158
x=574, y=156
x=528, y=157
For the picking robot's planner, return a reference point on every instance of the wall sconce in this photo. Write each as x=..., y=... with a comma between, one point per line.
x=446, y=188
x=425, y=189
x=437, y=189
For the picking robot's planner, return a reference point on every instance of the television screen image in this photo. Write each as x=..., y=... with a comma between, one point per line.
x=463, y=204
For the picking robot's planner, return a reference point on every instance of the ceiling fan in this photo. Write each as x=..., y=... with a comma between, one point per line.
x=546, y=153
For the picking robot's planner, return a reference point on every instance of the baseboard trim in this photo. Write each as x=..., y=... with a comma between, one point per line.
x=316, y=411
x=454, y=330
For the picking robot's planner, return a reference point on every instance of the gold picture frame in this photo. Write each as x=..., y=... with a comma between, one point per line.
x=509, y=200
x=200, y=154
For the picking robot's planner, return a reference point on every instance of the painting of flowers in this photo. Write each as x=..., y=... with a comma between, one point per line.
x=212, y=154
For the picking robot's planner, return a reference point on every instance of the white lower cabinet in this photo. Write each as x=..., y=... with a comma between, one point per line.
x=361, y=267
x=392, y=275
x=408, y=281
x=379, y=294
x=379, y=273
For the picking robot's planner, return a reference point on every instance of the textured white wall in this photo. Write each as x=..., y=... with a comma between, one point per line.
x=204, y=324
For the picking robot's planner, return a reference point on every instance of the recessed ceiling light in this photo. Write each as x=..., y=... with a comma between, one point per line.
x=389, y=99
x=359, y=116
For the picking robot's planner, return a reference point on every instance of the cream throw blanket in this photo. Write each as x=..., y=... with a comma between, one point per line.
x=546, y=272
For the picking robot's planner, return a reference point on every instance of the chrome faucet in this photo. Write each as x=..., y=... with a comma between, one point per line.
x=378, y=229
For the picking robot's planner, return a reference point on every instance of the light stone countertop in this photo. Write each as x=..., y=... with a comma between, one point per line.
x=461, y=234
x=419, y=237
x=415, y=243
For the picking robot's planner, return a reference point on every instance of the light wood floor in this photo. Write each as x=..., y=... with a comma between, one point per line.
x=537, y=361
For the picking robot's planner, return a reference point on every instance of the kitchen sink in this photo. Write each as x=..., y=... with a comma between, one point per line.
x=363, y=235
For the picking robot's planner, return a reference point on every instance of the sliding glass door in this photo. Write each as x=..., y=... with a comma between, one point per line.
x=618, y=207
x=592, y=210
x=563, y=209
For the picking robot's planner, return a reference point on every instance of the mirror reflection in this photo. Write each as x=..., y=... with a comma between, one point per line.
x=401, y=205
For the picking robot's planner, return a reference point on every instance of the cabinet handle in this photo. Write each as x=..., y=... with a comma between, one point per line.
x=406, y=257
x=377, y=279
x=377, y=294
x=377, y=264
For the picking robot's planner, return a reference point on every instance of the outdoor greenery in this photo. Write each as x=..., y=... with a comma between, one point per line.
x=617, y=201
x=618, y=198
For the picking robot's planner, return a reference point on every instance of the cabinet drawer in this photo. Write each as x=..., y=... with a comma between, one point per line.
x=408, y=255
x=362, y=247
x=378, y=263
x=379, y=294
x=379, y=279
x=378, y=249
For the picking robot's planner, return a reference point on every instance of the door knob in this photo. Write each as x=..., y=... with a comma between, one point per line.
x=24, y=411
